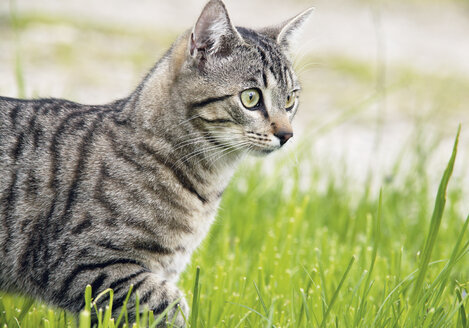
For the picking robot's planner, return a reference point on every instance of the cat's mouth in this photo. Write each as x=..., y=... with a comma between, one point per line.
x=262, y=149
x=261, y=144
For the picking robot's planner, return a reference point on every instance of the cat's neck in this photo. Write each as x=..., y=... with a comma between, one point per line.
x=163, y=127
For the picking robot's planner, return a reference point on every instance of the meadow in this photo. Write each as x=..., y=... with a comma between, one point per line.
x=299, y=241
x=285, y=255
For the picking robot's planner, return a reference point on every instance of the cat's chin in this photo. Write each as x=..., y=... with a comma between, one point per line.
x=261, y=152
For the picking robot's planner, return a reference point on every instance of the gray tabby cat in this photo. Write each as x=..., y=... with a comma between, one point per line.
x=123, y=193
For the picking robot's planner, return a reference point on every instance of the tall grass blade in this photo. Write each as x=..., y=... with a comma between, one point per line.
x=124, y=306
x=462, y=311
x=195, y=300
x=155, y=322
x=434, y=223
x=336, y=293
x=368, y=283
x=261, y=300
x=88, y=298
x=252, y=310
x=25, y=308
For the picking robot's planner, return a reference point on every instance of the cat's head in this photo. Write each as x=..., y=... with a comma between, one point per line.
x=238, y=83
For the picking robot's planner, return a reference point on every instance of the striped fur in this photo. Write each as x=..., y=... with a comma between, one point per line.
x=123, y=193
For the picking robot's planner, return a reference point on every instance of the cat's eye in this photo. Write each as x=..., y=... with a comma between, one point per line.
x=291, y=99
x=250, y=98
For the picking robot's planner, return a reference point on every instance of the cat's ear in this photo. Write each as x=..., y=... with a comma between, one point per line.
x=286, y=33
x=213, y=33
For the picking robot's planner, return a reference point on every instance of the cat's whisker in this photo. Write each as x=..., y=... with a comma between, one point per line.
x=221, y=150
x=235, y=147
x=200, y=139
x=189, y=119
x=197, y=152
x=224, y=154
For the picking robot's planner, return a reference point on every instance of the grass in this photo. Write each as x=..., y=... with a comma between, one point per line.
x=285, y=255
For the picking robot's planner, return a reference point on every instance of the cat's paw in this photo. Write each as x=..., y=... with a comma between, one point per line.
x=177, y=315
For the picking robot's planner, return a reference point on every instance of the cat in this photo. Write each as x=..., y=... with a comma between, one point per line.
x=123, y=193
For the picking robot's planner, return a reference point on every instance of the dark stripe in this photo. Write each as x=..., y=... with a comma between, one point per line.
x=140, y=225
x=208, y=101
x=98, y=282
x=151, y=246
x=88, y=267
x=146, y=296
x=79, y=169
x=216, y=121
x=106, y=203
x=125, y=279
x=264, y=78
x=17, y=150
x=29, y=260
x=139, y=283
x=177, y=173
x=8, y=209
x=58, y=133
x=264, y=60
x=83, y=225
x=60, y=254
x=133, y=196
x=95, y=287
x=272, y=70
x=154, y=188
x=213, y=141
x=220, y=193
x=118, y=301
x=161, y=307
x=31, y=183
x=54, y=150
x=37, y=135
x=14, y=114
x=121, y=153
x=171, y=199
x=33, y=129
x=109, y=245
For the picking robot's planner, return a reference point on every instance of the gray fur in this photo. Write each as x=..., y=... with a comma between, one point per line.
x=123, y=193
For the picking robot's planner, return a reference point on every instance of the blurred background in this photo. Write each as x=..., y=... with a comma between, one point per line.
x=381, y=79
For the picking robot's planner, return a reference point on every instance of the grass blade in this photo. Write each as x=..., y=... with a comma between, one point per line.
x=261, y=300
x=195, y=300
x=336, y=293
x=434, y=223
x=124, y=306
x=462, y=311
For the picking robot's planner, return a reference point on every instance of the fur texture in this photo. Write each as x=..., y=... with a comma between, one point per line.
x=123, y=193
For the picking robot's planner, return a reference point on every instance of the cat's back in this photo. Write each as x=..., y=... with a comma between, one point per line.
x=31, y=130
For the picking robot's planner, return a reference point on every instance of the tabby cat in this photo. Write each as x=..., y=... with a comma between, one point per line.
x=123, y=193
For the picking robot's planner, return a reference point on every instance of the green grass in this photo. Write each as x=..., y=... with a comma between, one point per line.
x=285, y=253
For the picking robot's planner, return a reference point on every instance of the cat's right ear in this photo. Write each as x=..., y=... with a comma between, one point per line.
x=286, y=33
x=213, y=34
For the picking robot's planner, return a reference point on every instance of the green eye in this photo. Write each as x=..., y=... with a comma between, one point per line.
x=291, y=98
x=250, y=98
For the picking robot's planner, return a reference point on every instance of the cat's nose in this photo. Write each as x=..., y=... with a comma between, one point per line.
x=283, y=135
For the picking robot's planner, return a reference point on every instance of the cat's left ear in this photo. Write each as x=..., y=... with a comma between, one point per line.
x=213, y=33
x=287, y=32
